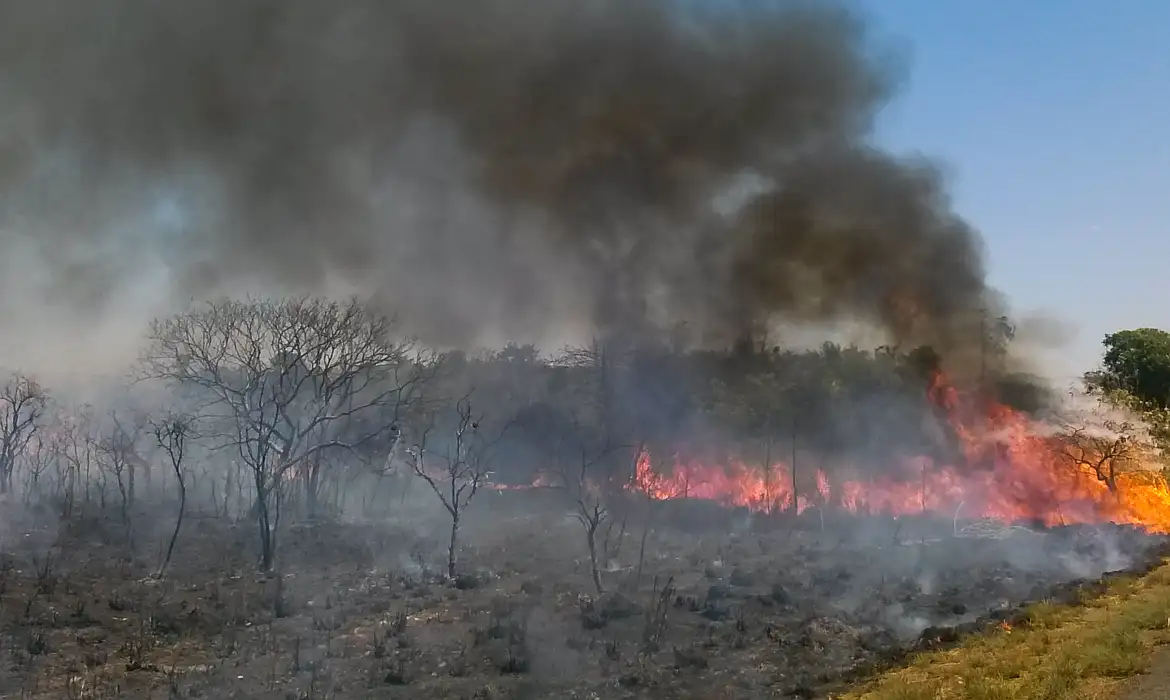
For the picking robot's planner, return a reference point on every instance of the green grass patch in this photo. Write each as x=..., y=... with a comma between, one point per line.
x=1058, y=652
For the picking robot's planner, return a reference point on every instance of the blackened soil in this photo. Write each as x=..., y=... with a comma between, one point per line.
x=714, y=605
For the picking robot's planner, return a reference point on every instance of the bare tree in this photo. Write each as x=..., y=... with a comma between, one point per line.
x=288, y=380
x=589, y=481
x=117, y=452
x=171, y=436
x=76, y=447
x=66, y=478
x=39, y=456
x=591, y=498
x=22, y=406
x=604, y=361
x=456, y=470
x=1107, y=451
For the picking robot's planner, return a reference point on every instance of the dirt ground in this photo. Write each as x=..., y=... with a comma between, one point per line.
x=1155, y=683
x=722, y=607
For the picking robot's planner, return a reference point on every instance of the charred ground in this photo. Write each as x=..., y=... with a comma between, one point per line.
x=781, y=607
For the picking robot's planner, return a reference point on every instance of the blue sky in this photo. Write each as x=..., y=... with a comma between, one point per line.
x=1053, y=118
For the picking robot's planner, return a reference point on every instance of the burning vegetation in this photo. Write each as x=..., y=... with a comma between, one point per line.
x=306, y=494
x=1010, y=467
x=357, y=512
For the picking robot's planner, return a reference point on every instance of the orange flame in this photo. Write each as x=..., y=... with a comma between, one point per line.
x=1028, y=477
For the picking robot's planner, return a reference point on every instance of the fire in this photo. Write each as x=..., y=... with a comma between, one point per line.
x=1024, y=475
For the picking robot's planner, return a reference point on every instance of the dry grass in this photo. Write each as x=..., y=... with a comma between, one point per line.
x=1083, y=651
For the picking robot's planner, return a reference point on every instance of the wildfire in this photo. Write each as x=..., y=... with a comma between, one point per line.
x=1025, y=475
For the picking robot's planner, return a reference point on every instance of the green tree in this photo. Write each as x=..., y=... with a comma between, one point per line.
x=1137, y=362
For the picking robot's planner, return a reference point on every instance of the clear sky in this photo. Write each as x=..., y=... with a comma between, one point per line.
x=1053, y=117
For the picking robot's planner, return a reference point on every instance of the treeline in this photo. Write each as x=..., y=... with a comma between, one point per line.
x=262, y=409
x=841, y=403
x=1135, y=373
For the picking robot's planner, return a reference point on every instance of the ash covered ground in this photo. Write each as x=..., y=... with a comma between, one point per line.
x=724, y=604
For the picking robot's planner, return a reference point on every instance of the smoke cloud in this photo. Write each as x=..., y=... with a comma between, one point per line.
x=490, y=169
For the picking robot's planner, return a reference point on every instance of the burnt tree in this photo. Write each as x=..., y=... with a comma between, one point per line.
x=116, y=450
x=282, y=381
x=171, y=436
x=22, y=407
x=592, y=494
x=453, y=455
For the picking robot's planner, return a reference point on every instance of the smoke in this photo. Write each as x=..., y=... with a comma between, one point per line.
x=523, y=168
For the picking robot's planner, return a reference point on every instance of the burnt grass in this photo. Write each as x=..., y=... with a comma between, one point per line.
x=724, y=606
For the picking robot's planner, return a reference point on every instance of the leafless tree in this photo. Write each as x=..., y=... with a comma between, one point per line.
x=117, y=451
x=75, y=443
x=589, y=487
x=288, y=380
x=39, y=456
x=457, y=467
x=171, y=436
x=56, y=441
x=593, y=512
x=605, y=361
x=22, y=406
x=1108, y=451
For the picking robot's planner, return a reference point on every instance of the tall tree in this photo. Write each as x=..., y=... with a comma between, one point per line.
x=22, y=406
x=1138, y=362
x=288, y=380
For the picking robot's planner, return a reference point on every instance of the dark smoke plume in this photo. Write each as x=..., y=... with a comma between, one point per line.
x=487, y=166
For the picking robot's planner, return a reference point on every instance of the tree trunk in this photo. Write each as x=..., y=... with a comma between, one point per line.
x=67, y=501
x=5, y=476
x=642, y=546
x=591, y=540
x=124, y=500
x=404, y=490
x=452, y=545
x=370, y=497
x=340, y=495
x=312, y=494
x=313, y=487
x=267, y=546
x=214, y=497
x=178, y=524
x=267, y=556
x=227, y=494
x=795, y=488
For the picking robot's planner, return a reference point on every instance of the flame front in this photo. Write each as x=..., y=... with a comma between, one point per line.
x=1024, y=475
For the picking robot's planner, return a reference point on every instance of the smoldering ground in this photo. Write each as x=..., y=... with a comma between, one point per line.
x=358, y=611
x=518, y=168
